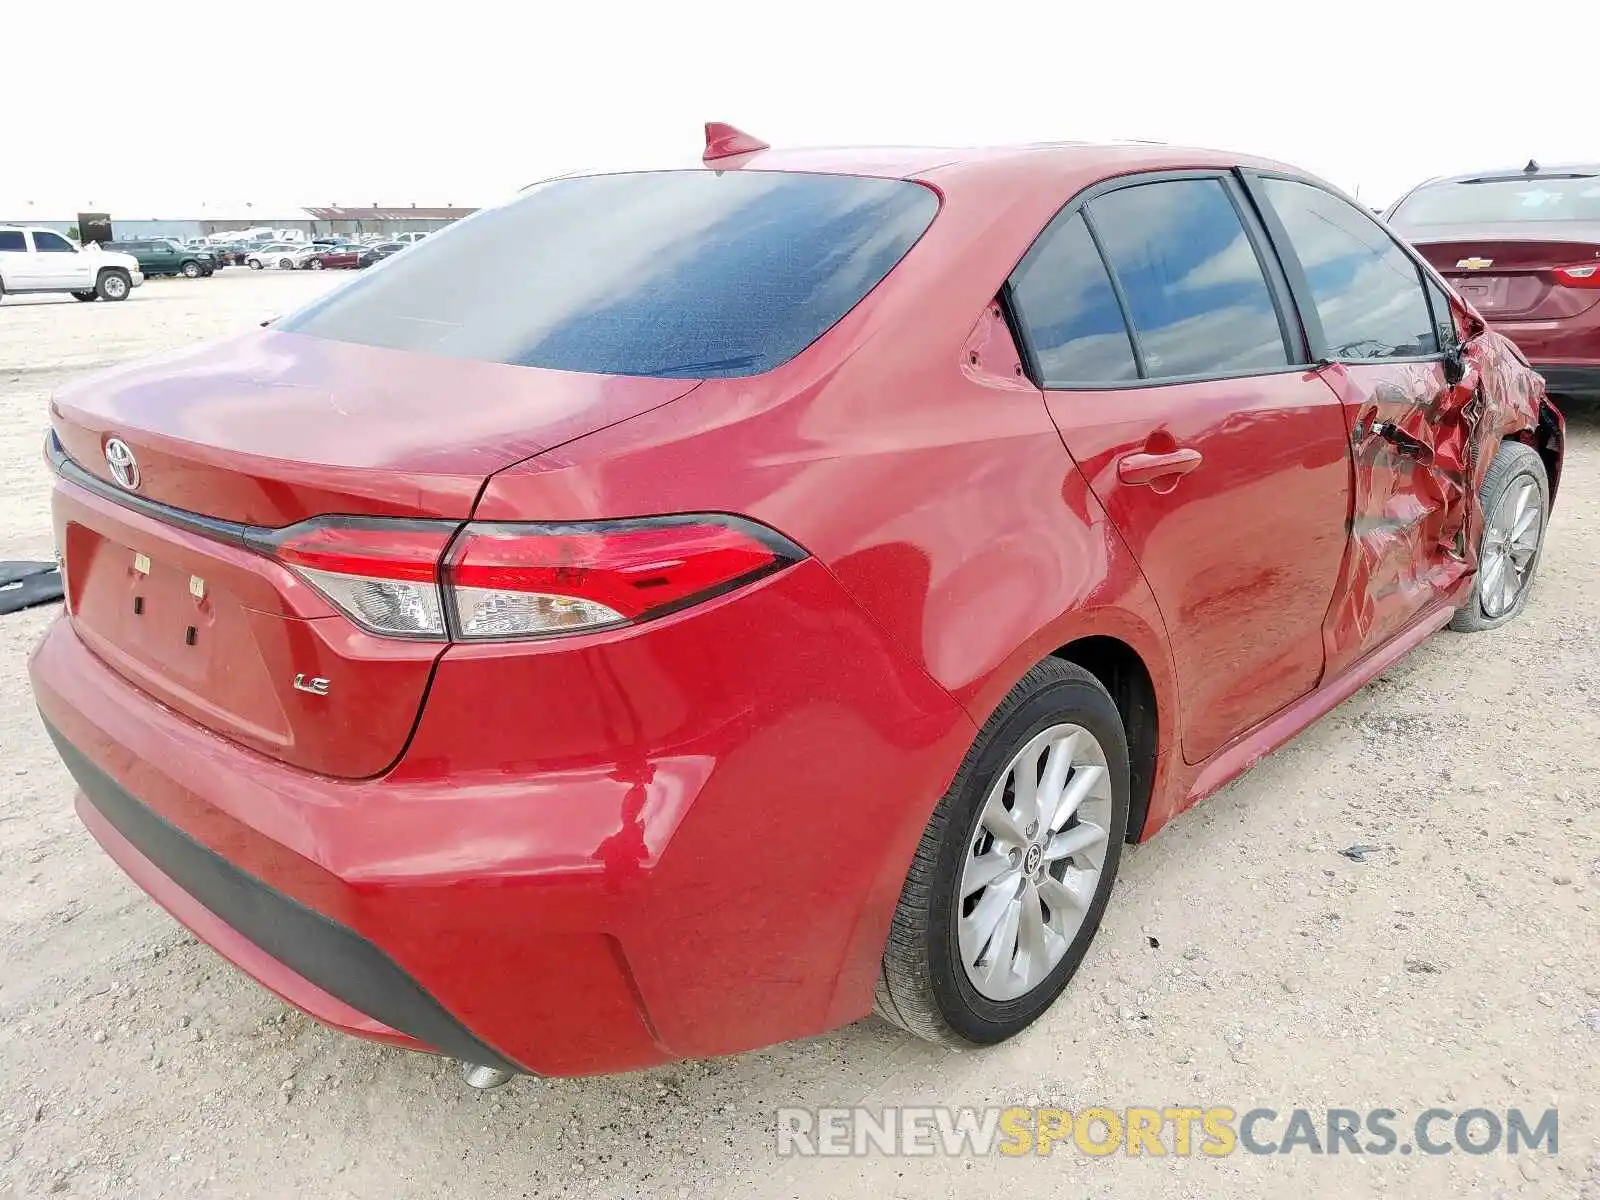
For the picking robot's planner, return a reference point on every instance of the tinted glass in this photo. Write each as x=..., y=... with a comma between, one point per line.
x=1196, y=294
x=1367, y=290
x=12, y=239
x=1068, y=312
x=674, y=273
x=1501, y=200
x=51, y=243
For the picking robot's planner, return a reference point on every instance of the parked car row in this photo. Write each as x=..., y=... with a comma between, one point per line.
x=285, y=256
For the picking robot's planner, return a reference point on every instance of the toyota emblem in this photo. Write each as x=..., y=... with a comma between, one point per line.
x=124, y=466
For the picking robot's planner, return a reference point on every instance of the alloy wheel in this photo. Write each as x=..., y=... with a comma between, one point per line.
x=1033, y=862
x=1510, y=544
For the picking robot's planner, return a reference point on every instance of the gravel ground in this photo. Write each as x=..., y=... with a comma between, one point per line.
x=1245, y=960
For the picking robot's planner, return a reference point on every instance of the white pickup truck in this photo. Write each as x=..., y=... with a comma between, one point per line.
x=41, y=260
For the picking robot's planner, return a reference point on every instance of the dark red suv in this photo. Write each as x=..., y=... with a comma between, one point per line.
x=1523, y=247
x=681, y=610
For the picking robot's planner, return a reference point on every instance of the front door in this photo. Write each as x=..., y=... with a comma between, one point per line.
x=1157, y=326
x=1381, y=328
x=58, y=262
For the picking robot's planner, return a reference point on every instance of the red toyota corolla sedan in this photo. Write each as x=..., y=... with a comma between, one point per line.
x=681, y=610
x=1523, y=247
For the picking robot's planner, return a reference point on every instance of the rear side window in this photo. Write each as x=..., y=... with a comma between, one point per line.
x=1197, y=298
x=12, y=239
x=1069, y=315
x=1367, y=290
x=671, y=273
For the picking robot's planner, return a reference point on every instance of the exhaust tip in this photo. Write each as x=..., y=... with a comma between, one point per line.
x=484, y=1078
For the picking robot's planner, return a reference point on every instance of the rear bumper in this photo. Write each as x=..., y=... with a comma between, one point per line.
x=282, y=943
x=1577, y=382
x=677, y=841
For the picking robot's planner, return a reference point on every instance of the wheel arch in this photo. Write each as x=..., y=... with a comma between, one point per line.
x=1548, y=439
x=1122, y=672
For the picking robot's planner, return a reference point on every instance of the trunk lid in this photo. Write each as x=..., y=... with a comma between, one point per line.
x=163, y=581
x=271, y=428
x=1506, y=270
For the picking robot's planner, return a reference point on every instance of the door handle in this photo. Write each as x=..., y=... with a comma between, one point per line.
x=1149, y=468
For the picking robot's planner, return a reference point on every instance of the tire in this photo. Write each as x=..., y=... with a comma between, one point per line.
x=256, y=264
x=286, y=264
x=925, y=986
x=1516, y=482
x=317, y=264
x=86, y=295
x=113, y=285
x=190, y=270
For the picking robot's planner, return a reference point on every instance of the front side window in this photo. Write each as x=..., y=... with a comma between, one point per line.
x=1444, y=322
x=1197, y=297
x=690, y=274
x=51, y=243
x=1062, y=298
x=1367, y=290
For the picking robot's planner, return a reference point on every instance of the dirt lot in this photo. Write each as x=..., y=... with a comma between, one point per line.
x=1245, y=961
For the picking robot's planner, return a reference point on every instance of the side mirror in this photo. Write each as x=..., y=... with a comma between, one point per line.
x=1455, y=364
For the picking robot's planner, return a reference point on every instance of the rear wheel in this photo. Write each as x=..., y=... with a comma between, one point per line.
x=286, y=264
x=113, y=284
x=1516, y=508
x=1015, y=868
x=86, y=295
x=317, y=264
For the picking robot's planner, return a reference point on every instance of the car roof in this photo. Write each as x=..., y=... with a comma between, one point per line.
x=1541, y=171
x=1046, y=163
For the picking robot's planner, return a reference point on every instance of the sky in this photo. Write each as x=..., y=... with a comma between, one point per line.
x=294, y=103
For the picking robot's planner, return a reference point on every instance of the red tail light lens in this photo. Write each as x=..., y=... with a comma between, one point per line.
x=532, y=580
x=1580, y=275
x=381, y=574
x=525, y=580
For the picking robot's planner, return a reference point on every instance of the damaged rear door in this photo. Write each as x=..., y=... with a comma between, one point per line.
x=1386, y=342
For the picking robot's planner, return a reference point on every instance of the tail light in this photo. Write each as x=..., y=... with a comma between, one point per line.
x=440, y=581
x=1580, y=275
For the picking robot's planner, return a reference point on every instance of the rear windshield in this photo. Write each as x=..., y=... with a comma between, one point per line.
x=1502, y=200
x=670, y=273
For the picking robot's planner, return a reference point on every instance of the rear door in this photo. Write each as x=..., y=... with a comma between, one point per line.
x=1156, y=322
x=1378, y=326
x=17, y=267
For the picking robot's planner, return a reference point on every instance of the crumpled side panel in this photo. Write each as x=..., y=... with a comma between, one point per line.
x=1505, y=400
x=1420, y=449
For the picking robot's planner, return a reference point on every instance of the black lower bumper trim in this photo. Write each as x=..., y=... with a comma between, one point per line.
x=1580, y=383
x=337, y=959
